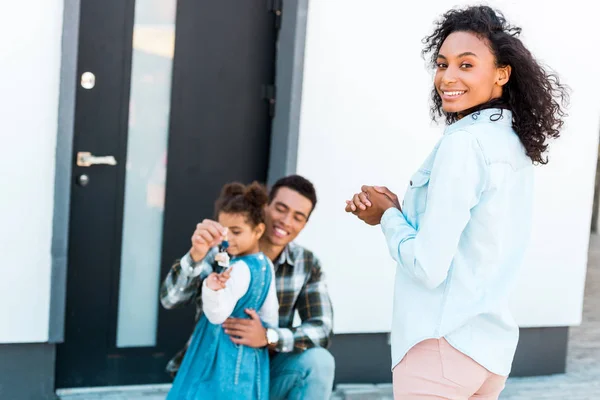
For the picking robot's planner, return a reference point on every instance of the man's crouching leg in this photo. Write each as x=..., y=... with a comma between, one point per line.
x=300, y=376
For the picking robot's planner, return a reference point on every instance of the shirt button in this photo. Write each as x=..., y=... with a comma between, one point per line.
x=264, y=268
x=410, y=183
x=181, y=289
x=260, y=257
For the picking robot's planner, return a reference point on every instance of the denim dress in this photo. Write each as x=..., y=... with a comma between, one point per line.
x=216, y=368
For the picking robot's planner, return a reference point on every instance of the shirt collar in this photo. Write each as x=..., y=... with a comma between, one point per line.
x=286, y=255
x=498, y=115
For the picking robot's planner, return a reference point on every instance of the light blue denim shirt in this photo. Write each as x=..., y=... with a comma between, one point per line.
x=460, y=240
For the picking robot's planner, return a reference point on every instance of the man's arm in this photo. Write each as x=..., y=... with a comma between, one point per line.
x=316, y=313
x=185, y=279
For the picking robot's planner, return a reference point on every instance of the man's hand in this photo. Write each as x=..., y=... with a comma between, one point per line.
x=370, y=204
x=249, y=332
x=207, y=234
x=216, y=281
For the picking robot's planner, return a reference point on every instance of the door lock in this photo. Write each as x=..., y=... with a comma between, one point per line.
x=88, y=80
x=83, y=180
x=86, y=159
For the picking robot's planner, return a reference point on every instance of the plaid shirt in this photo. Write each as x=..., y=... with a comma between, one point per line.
x=300, y=285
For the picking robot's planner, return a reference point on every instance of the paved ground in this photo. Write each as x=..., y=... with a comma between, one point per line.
x=581, y=382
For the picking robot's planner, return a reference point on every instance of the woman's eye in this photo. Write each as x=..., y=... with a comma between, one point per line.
x=441, y=65
x=466, y=65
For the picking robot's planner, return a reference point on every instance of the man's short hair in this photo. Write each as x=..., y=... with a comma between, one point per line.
x=298, y=184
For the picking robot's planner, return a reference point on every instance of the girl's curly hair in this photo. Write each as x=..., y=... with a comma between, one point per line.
x=533, y=95
x=249, y=200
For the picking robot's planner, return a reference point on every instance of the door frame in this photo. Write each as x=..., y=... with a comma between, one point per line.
x=284, y=142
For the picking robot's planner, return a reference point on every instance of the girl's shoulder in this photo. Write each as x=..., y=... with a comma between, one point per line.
x=255, y=260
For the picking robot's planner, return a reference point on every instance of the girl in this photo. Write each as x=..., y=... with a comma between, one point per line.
x=462, y=232
x=214, y=367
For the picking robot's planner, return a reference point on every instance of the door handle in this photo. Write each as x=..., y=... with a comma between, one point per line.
x=86, y=159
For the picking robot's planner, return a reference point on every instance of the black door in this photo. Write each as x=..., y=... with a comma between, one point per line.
x=171, y=102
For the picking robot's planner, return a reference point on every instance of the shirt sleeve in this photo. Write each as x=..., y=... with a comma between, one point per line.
x=316, y=312
x=458, y=178
x=183, y=280
x=269, y=312
x=218, y=305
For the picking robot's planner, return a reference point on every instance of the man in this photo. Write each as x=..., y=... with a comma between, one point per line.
x=301, y=367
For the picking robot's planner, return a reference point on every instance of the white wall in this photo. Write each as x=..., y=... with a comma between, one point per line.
x=365, y=120
x=29, y=83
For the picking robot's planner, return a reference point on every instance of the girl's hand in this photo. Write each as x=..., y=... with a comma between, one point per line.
x=216, y=281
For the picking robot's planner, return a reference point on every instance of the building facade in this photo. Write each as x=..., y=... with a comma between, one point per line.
x=173, y=99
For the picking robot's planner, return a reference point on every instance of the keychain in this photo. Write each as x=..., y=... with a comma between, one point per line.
x=222, y=258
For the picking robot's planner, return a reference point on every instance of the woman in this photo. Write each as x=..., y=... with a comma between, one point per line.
x=460, y=237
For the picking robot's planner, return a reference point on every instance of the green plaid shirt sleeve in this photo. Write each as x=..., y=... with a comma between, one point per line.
x=184, y=279
x=316, y=312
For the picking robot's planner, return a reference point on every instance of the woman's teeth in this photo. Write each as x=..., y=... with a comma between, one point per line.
x=455, y=93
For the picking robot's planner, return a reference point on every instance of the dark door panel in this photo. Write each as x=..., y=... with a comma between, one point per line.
x=219, y=131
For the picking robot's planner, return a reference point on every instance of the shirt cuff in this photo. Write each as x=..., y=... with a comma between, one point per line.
x=389, y=215
x=190, y=268
x=286, y=340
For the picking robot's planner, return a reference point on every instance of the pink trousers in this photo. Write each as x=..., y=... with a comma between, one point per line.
x=433, y=369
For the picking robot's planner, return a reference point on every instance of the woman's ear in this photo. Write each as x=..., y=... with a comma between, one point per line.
x=503, y=75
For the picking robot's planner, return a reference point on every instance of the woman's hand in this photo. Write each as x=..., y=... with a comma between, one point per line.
x=370, y=204
x=216, y=281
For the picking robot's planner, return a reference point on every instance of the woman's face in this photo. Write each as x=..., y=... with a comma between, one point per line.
x=467, y=75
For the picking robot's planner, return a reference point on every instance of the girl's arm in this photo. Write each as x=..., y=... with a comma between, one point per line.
x=218, y=305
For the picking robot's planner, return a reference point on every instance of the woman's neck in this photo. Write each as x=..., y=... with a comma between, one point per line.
x=497, y=102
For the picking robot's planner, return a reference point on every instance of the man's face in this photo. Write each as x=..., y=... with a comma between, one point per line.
x=286, y=216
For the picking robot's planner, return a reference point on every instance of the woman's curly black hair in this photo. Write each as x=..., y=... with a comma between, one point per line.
x=533, y=95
